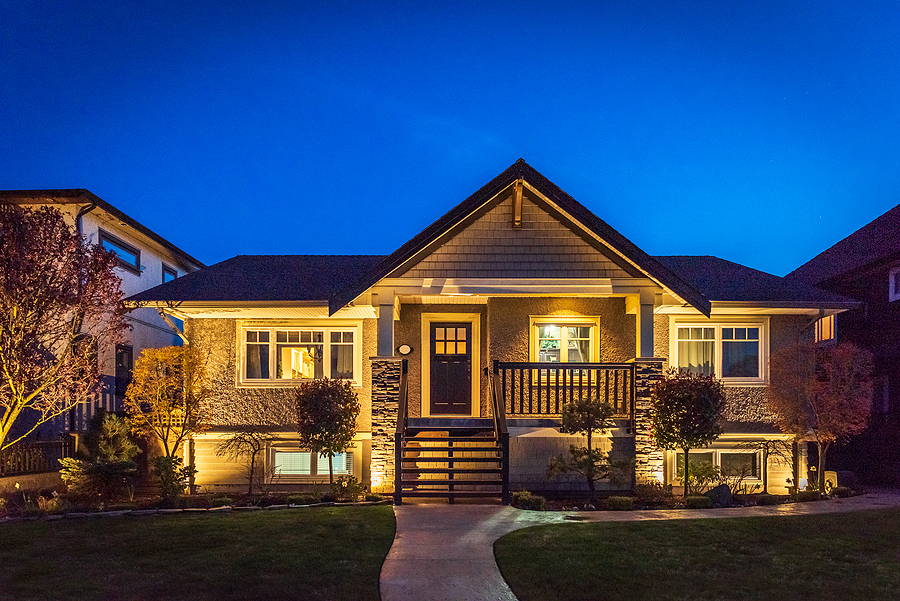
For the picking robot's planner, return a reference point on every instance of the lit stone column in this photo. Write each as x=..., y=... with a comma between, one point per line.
x=385, y=398
x=648, y=457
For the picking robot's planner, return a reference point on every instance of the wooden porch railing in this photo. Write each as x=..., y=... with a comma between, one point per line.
x=36, y=457
x=543, y=389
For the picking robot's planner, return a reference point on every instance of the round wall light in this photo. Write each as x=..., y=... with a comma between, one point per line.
x=404, y=349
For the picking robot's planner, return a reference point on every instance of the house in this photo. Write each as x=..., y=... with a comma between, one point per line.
x=866, y=266
x=465, y=343
x=145, y=260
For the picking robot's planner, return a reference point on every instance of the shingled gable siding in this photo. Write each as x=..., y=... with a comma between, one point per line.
x=490, y=248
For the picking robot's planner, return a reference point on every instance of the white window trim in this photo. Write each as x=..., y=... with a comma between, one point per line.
x=894, y=284
x=344, y=325
x=315, y=475
x=718, y=324
x=592, y=321
x=717, y=459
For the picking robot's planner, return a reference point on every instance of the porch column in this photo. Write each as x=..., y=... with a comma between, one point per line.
x=645, y=323
x=648, y=457
x=385, y=323
x=385, y=398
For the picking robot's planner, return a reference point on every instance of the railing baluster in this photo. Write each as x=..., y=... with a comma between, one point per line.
x=531, y=389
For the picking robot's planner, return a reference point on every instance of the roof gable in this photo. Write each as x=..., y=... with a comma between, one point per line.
x=619, y=251
x=875, y=242
x=488, y=246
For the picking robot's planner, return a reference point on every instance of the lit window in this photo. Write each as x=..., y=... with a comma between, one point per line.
x=825, y=329
x=305, y=463
x=564, y=339
x=730, y=352
x=301, y=354
x=730, y=463
x=894, y=284
x=129, y=256
x=169, y=273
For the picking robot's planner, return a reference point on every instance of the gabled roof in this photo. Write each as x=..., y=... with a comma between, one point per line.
x=876, y=242
x=522, y=170
x=723, y=281
x=260, y=278
x=87, y=198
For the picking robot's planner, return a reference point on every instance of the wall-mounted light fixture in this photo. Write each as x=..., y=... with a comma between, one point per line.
x=404, y=349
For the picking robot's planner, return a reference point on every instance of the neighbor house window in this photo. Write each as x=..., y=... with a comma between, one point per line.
x=825, y=329
x=305, y=463
x=124, y=368
x=129, y=257
x=169, y=273
x=894, y=284
x=730, y=352
x=286, y=354
x=564, y=339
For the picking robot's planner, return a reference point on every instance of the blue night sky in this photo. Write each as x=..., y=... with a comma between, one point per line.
x=761, y=132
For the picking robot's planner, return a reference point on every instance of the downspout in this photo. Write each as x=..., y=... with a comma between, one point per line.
x=79, y=229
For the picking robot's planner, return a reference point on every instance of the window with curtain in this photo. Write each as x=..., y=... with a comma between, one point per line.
x=285, y=354
x=727, y=351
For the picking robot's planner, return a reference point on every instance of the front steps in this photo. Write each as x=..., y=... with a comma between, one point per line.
x=450, y=459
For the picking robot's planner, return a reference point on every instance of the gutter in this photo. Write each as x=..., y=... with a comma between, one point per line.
x=81, y=213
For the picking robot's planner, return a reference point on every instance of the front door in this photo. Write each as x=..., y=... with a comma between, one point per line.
x=451, y=368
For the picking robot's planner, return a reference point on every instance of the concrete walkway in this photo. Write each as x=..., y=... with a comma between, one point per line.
x=445, y=552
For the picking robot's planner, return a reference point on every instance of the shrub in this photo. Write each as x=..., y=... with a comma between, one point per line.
x=374, y=497
x=328, y=498
x=221, y=502
x=841, y=492
x=766, y=499
x=653, y=492
x=525, y=500
x=807, y=495
x=348, y=488
x=619, y=503
x=303, y=499
x=172, y=477
x=698, y=502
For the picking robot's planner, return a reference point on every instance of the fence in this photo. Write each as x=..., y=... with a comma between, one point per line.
x=36, y=457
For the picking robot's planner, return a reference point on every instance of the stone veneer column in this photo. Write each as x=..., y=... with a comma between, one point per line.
x=385, y=398
x=648, y=457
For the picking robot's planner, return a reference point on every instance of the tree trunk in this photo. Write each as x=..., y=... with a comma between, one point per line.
x=252, y=472
x=687, y=479
x=330, y=468
x=823, y=450
x=592, y=492
x=765, y=470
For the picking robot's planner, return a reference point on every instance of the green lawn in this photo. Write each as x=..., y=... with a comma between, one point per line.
x=316, y=553
x=821, y=557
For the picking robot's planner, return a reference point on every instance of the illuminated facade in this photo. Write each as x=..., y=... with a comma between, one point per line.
x=465, y=343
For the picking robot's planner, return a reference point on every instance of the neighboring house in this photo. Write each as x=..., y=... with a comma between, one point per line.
x=146, y=259
x=866, y=266
x=465, y=343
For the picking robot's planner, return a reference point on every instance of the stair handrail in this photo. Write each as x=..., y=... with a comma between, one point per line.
x=400, y=433
x=500, y=430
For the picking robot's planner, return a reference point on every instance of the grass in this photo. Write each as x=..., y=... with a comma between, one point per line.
x=821, y=557
x=316, y=553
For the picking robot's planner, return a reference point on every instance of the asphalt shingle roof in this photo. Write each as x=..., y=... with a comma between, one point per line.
x=721, y=280
x=874, y=242
x=252, y=278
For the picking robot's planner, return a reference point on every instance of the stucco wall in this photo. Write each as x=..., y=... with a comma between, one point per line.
x=409, y=331
x=508, y=325
x=235, y=406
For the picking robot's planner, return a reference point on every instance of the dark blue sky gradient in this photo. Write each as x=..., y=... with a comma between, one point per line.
x=760, y=132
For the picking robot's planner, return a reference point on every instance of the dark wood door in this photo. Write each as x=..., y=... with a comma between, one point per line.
x=451, y=369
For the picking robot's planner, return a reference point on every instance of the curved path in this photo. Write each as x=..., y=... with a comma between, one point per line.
x=445, y=552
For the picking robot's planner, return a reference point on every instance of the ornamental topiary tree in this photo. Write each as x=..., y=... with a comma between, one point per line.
x=587, y=416
x=685, y=413
x=822, y=394
x=326, y=417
